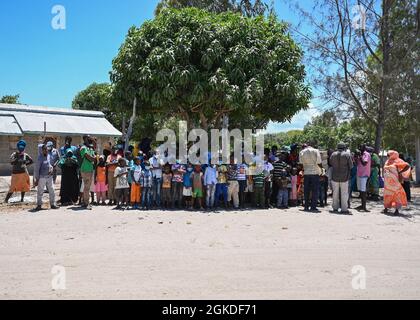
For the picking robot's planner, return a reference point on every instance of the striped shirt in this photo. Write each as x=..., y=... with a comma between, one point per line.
x=278, y=167
x=242, y=168
x=232, y=172
x=259, y=179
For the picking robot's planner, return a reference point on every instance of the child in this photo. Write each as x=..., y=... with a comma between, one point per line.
x=101, y=181
x=178, y=171
x=197, y=182
x=112, y=164
x=146, y=182
x=166, y=186
x=221, y=186
x=249, y=190
x=121, y=183
x=259, y=181
x=187, y=192
x=294, y=183
x=135, y=197
x=283, y=183
x=323, y=180
x=300, y=184
x=210, y=180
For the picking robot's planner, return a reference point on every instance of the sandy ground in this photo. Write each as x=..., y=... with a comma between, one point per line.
x=261, y=254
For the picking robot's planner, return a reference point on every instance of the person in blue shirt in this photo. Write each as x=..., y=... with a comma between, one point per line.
x=187, y=191
x=210, y=181
x=146, y=183
x=67, y=146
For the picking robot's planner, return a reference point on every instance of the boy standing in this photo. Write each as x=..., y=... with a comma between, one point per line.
x=166, y=186
x=187, y=192
x=178, y=171
x=283, y=183
x=210, y=180
x=197, y=180
x=259, y=181
x=146, y=182
x=121, y=183
x=233, y=185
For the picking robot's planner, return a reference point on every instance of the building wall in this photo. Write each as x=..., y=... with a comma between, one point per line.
x=8, y=146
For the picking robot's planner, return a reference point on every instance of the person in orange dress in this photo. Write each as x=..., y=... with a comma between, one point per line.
x=101, y=181
x=395, y=170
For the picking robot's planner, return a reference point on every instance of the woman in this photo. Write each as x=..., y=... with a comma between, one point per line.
x=374, y=175
x=69, y=190
x=20, y=176
x=395, y=170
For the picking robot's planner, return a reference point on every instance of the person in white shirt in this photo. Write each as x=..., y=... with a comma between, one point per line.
x=121, y=183
x=311, y=160
x=156, y=164
x=210, y=181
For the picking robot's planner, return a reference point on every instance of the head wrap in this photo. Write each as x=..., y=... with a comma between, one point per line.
x=393, y=155
x=21, y=143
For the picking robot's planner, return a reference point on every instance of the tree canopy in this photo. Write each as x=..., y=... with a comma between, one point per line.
x=98, y=97
x=199, y=66
x=246, y=7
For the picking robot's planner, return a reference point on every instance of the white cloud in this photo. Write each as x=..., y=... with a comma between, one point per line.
x=297, y=123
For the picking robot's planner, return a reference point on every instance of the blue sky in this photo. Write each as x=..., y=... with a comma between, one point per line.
x=48, y=67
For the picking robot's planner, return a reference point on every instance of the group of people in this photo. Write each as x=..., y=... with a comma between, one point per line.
x=291, y=176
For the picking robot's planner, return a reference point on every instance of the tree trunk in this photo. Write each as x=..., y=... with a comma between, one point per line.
x=417, y=159
x=130, y=126
x=225, y=122
x=383, y=90
x=379, y=134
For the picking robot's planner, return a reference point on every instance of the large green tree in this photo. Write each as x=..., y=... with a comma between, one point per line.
x=199, y=66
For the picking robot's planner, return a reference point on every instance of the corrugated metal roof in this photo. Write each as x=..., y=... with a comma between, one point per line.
x=59, y=121
x=9, y=126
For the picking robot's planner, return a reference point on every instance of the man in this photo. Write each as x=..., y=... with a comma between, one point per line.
x=43, y=176
x=341, y=164
x=233, y=185
x=310, y=158
x=20, y=176
x=55, y=158
x=364, y=162
x=67, y=145
x=156, y=164
x=87, y=167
